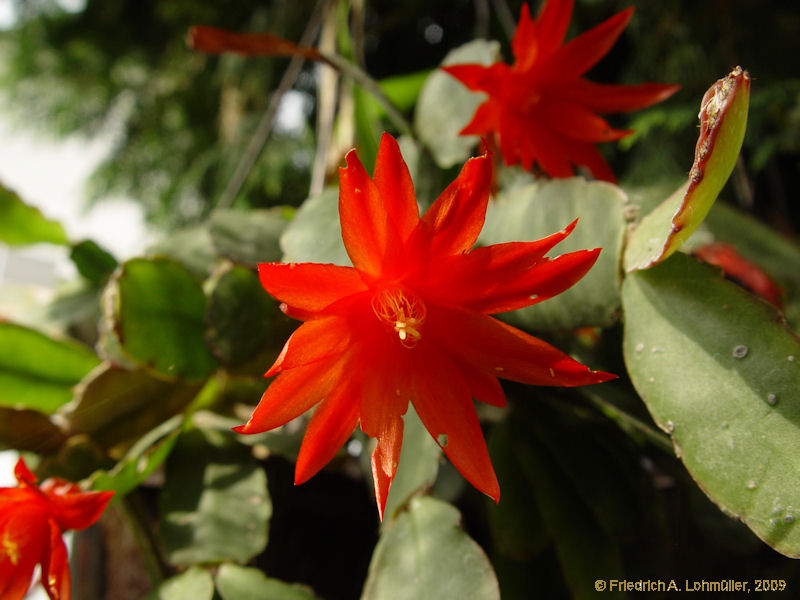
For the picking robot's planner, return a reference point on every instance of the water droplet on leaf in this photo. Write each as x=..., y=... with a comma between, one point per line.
x=669, y=426
x=751, y=485
x=441, y=439
x=772, y=399
x=639, y=347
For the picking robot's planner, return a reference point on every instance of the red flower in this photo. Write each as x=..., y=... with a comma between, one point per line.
x=32, y=520
x=409, y=323
x=540, y=108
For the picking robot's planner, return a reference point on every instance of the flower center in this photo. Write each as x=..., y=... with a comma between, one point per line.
x=401, y=310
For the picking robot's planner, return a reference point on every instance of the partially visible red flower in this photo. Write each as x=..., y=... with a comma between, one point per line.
x=32, y=521
x=749, y=274
x=409, y=322
x=541, y=109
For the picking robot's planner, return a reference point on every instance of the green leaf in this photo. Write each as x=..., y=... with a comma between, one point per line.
x=723, y=119
x=195, y=583
x=445, y=105
x=720, y=373
x=426, y=555
x=157, y=310
x=250, y=236
x=246, y=583
x=418, y=466
x=241, y=315
x=92, y=262
x=144, y=457
x=21, y=224
x=533, y=211
x=39, y=372
x=315, y=235
x=23, y=429
x=115, y=406
x=214, y=504
x=193, y=247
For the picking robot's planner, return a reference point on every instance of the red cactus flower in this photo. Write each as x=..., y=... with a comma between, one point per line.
x=409, y=323
x=32, y=520
x=541, y=109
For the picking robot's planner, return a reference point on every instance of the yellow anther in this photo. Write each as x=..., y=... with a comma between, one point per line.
x=403, y=311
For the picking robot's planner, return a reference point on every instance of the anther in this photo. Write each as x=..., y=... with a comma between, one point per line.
x=401, y=310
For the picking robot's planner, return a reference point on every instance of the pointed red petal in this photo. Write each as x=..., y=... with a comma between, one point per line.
x=292, y=393
x=454, y=221
x=368, y=231
x=483, y=121
x=546, y=279
x=309, y=287
x=609, y=98
x=385, y=458
x=489, y=274
x=76, y=510
x=574, y=121
x=582, y=53
x=484, y=386
x=23, y=473
x=587, y=155
x=552, y=23
x=443, y=402
x=395, y=187
x=474, y=76
x=525, y=43
x=332, y=424
x=489, y=344
x=312, y=341
x=55, y=566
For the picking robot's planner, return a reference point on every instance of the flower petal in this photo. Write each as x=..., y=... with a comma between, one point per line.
x=482, y=276
x=484, y=386
x=75, y=509
x=486, y=343
x=309, y=287
x=385, y=458
x=453, y=222
x=574, y=121
x=480, y=78
x=55, y=566
x=544, y=146
x=369, y=223
x=609, y=98
x=552, y=23
x=395, y=187
x=23, y=536
x=332, y=424
x=292, y=393
x=312, y=341
x=443, y=402
x=525, y=43
x=24, y=474
x=483, y=121
x=587, y=155
x=582, y=53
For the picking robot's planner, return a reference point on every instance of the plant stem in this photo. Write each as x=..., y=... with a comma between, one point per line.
x=264, y=127
x=626, y=420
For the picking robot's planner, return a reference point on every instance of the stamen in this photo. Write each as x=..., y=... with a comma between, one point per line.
x=403, y=311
